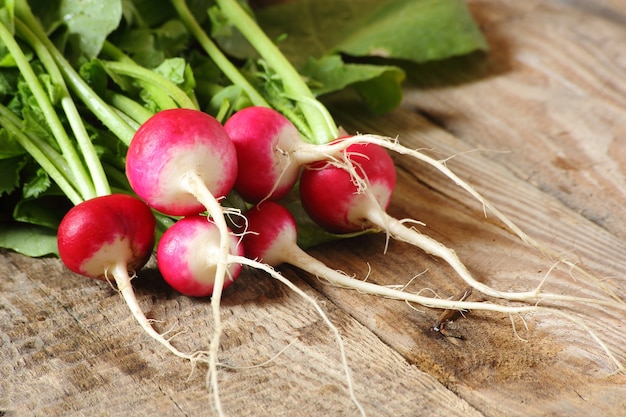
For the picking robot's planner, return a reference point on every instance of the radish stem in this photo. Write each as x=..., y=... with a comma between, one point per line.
x=87, y=149
x=321, y=123
x=42, y=153
x=93, y=101
x=78, y=171
x=216, y=55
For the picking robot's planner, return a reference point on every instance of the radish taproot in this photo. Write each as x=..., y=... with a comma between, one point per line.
x=188, y=253
x=108, y=237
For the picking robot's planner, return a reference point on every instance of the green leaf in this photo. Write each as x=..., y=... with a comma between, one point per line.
x=380, y=86
x=30, y=240
x=92, y=21
x=174, y=69
x=9, y=148
x=46, y=210
x=413, y=30
x=37, y=184
x=10, y=178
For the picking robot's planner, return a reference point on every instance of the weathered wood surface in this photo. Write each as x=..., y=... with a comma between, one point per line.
x=538, y=126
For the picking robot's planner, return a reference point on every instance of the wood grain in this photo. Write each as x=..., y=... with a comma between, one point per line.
x=537, y=126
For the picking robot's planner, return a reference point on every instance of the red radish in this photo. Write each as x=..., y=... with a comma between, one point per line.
x=263, y=138
x=340, y=200
x=270, y=236
x=188, y=253
x=171, y=149
x=353, y=196
x=270, y=153
x=109, y=236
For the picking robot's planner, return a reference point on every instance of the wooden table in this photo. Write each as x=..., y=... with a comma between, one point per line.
x=538, y=126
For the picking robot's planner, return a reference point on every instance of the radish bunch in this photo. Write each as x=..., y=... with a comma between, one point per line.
x=182, y=164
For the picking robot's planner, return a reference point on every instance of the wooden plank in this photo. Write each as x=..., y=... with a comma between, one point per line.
x=548, y=98
x=546, y=113
x=69, y=348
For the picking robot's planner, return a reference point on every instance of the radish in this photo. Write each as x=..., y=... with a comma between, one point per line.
x=353, y=195
x=270, y=236
x=271, y=152
x=109, y=236
x=187, y=255
x=176, y=152
x=264, y=138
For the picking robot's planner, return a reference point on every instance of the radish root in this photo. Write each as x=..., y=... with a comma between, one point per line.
x=122, y=279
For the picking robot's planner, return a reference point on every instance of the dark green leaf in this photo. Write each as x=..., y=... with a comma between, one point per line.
x=46, y=211
x=10, y=178
x=9, y=148
x=414, y=30
x=378, y=85
x=37, y=184
x=30, y=240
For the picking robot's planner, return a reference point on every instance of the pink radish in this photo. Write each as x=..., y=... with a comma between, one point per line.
x=188, y=253
x=344, y=201
x=270, y=236
x=106, y=237
x=172, y=152
x=270, y=153
x=353, y=195
x=263, y=137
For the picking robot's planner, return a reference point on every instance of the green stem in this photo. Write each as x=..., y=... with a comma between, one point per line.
x=93, y=102
x=40, y=156
x=317, y=116
x=130, y=107
x=56, y=126
x=86, y=147
x=223, y=63
x=51, y=153
x=156, y=84
x=166, y=93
